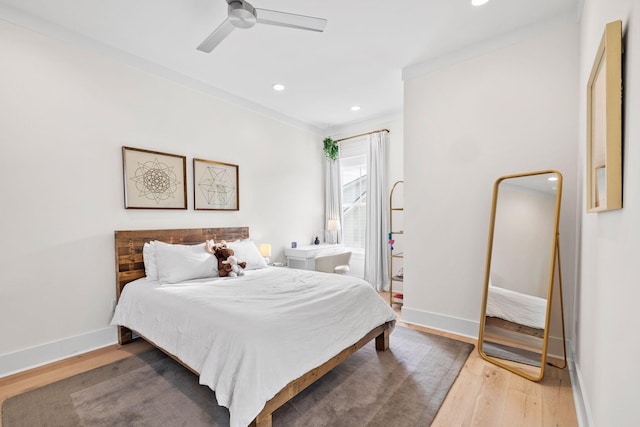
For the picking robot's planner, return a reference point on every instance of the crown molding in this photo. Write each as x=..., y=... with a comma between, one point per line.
x=490, y=45
x=49, y=29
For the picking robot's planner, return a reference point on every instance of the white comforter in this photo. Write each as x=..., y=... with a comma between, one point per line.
x=516, y=307
x=250, y=336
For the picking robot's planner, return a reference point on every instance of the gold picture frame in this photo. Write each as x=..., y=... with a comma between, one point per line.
x=604, y=124
x=215, y=186
x=154, y=180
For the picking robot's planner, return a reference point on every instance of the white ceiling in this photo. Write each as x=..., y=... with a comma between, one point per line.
x=357, y=60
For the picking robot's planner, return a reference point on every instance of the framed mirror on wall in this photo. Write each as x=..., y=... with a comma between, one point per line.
x=604, y=124
x=521, y=270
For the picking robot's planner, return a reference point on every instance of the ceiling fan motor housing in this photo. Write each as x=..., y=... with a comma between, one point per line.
x=242, y=14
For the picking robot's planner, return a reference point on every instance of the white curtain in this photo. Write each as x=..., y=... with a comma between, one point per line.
x=333, y=199
x=376, y=259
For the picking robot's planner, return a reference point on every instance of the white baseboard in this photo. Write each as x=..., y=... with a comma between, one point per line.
x=454, y=325
x=583, y=411
x=22, y=360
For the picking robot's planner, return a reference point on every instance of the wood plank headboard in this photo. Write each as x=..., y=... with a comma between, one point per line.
x=128, y=250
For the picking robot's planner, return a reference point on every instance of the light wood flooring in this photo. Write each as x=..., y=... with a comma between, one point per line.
x=483, y=394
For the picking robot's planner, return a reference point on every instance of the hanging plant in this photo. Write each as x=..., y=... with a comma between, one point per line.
x=330, y=148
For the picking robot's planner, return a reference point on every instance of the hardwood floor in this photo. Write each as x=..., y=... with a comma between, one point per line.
x=483, y=394
x=43, y=375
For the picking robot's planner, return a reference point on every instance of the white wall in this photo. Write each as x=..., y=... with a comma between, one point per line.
x=65, y=113
x=608, y=347
x=503, y=110
x=523, y=237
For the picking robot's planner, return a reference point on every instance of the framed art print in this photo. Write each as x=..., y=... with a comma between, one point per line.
x=215, y=186
x=604, y=124
x=154, y=180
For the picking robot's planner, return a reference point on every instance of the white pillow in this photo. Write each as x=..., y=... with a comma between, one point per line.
x=246, y=250
x=149, y=258
x=177, y=263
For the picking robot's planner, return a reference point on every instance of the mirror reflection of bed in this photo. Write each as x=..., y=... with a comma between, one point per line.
x=520, y=271
x=514, y=326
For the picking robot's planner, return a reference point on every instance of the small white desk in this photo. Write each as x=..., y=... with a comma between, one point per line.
x=304, y=257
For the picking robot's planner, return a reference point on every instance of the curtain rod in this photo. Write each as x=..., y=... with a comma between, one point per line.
x=364, y=134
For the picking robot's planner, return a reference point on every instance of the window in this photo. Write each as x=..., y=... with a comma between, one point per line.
x=353, y=171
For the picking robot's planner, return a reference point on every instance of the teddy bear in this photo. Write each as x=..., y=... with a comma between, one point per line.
x=228, y=264
x=237, y=267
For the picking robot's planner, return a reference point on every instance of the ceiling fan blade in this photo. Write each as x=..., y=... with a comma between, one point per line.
x=217, y=36
x=282, y=19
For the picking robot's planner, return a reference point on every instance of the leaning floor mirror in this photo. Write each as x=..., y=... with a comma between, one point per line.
x=523, y=267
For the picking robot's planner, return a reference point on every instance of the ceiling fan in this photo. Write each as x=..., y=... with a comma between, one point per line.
x=242, y=15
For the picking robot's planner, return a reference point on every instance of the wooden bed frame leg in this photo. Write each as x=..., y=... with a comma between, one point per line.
x=125, y=335
x=382, y=340
x=262, y=420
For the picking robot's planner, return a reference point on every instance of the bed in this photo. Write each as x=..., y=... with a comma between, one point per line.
x=516, y=307
x=514, y=325
x=256, y=340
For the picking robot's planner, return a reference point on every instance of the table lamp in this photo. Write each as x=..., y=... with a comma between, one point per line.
x=265, y=251
x=332, y=226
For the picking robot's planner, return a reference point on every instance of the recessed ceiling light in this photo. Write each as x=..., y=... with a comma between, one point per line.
x=279, y=87
x=355, y=108
x=478, y=2
x=553, y=178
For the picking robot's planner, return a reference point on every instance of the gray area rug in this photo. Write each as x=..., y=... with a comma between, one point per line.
x=404, y=386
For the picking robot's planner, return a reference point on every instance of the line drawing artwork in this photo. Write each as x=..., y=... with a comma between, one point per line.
x=216, y=187
x=156, y=180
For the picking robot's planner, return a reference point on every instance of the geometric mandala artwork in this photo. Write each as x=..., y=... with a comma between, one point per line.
x=216, y=187
x=155, y=180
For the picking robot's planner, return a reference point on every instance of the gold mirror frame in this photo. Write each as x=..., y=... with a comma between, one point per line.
x=604, y=124
x=528, y=371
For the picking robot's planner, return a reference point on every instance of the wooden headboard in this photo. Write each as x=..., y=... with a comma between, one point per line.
x=128, y=249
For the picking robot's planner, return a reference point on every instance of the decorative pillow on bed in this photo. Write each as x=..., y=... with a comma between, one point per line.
x=247, y=251
x=149, y=258
x=176, y=263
